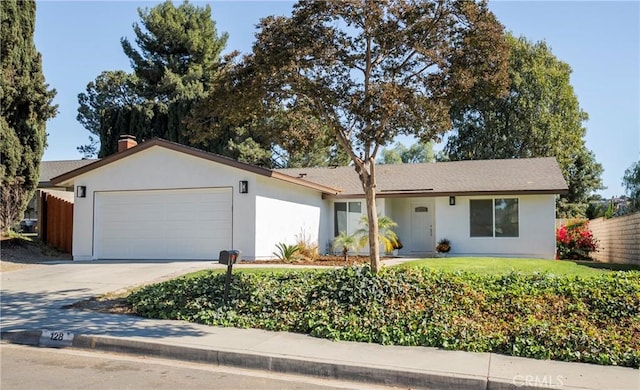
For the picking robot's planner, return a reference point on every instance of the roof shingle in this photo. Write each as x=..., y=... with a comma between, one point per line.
x=527, y=175
x=51, y=169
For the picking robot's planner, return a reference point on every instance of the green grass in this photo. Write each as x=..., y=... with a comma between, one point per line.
x=495, y=266
x=477, y=265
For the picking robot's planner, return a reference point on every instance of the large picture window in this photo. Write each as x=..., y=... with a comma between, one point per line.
x=494, y=217
x=346, y=217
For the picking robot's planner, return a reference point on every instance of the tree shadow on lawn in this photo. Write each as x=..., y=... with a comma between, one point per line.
x=608, y=266
x=37, y=311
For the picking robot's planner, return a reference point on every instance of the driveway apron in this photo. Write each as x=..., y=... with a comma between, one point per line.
x=35, y=298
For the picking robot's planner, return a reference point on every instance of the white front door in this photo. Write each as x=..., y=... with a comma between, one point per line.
x=421, y=228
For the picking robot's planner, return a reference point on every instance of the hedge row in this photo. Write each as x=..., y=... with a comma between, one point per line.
x=594, y=320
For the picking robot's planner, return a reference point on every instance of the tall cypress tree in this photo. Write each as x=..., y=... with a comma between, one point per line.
x=25, y=106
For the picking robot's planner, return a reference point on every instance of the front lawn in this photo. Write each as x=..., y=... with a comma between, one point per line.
x=593, y=319
x=496, y=265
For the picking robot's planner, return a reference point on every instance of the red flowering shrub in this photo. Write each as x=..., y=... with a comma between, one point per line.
x=575, y=241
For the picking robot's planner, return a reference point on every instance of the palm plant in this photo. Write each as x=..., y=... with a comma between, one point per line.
x=346, y=242
x=388, y=238
x=286, y=253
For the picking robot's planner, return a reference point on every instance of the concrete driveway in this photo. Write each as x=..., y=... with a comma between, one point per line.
x=32, y=298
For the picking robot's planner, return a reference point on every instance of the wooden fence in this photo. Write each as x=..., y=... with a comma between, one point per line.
x=619, y=239
x=56, y=220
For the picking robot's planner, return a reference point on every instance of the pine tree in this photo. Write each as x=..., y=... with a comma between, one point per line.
x=25, y=106
x=175, y=60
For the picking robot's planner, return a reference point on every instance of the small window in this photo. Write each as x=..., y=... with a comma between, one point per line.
x=494, y=217
x=355, y=207
x=421, y=209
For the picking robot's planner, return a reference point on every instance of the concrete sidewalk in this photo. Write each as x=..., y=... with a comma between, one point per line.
x=33, y=301
x=414, y=367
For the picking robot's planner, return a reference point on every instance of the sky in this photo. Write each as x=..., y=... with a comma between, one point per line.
x=599, y=40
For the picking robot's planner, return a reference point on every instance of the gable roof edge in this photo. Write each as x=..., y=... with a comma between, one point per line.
x=195, y=153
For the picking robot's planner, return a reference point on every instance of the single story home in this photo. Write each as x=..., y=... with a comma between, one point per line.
x=163, y=200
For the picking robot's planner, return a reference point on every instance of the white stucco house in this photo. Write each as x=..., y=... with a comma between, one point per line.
x=162, y=200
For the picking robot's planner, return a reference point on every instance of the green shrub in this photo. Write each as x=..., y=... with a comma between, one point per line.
x=594, y=320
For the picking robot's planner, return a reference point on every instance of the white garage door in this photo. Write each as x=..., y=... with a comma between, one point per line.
x=164, y=224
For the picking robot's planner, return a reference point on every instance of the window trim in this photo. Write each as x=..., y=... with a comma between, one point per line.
x=493, y=216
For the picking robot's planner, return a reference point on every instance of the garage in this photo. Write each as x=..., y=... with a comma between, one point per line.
x=181, y=224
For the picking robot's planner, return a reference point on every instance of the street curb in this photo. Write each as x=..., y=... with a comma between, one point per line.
x=274, y=363
x=27, y=337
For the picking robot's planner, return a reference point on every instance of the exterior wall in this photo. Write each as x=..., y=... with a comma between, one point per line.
x=284, y=212
x=160, y=168
x=619, y=239
x=536, y=228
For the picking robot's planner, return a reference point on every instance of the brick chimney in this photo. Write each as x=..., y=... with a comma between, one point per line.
x=126, y=142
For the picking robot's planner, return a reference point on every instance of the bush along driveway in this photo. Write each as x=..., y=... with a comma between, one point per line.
x=570, y=318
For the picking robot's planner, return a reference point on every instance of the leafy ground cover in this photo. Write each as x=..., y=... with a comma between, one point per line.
x=593, y=319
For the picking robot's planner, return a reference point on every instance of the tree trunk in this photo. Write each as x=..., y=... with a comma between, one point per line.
x=368, y=180
x=372, y=215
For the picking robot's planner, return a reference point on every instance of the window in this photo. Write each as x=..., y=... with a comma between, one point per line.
x=481, y=217
x=339, y=217
x=506, y=217
x=494, y=217
x=346, y=217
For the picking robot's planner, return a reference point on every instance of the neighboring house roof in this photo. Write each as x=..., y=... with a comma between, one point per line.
x=51, y=169
x=67, y=178
x=512, y=176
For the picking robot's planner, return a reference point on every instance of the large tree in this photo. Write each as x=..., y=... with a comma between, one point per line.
x=370, y=70
x=175, y=59
x=111, y=91
x=631, y=183
x=25, y=107
x=420, y=152
x=539, y=117
x=258, y=130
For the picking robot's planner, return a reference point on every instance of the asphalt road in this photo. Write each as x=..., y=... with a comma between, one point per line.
x=28, y=368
